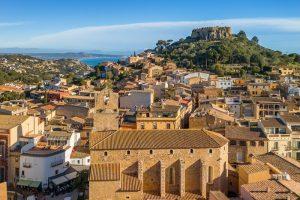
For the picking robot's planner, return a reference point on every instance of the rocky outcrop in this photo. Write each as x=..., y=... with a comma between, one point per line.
x=211, y=33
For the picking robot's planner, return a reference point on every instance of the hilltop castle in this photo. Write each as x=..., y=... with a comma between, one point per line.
x=211, y=33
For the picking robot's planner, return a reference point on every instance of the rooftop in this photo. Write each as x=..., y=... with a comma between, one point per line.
x=10, y=121
x=269, y=189
x=289, y=166
x=272, y=122
x=44, y=151
x=254, y=168
x=243, y=133
x=157, y=139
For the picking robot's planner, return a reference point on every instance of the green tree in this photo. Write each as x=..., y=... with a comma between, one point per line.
x=255, y=40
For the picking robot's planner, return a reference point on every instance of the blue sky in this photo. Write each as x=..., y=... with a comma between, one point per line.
x=138, y=24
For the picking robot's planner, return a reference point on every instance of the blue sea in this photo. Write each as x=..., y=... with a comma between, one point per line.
x=95, y=61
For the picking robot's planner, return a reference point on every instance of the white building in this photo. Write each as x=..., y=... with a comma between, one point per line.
x=224, y=82
x=136, y=98
x=234, y=105
x=40, y=163
x=46, y=163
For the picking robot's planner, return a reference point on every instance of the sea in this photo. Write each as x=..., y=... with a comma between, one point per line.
x=96, y=60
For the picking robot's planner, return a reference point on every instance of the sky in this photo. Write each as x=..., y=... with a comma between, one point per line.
x=127, y=25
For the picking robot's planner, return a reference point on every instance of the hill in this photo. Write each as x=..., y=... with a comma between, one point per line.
x=31, y=70
x=214, y=48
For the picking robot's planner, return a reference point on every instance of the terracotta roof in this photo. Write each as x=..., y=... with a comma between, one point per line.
x=243, y=133
x=78, y=119
x=253, y=168
x=159, y=139
x=283, y=164
x=130, y=183
x=48, y=107
x=269, y=189
x=272, y=122
x=10, y=121
x=169, y=196
x=266, y=99
x=105, y=172
x=291, y=118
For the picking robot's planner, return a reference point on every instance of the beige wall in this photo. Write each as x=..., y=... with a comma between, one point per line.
x=151, y=168
x=3, y=191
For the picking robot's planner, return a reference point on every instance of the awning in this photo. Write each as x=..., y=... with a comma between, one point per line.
x=65, y=178
x=71, y=176
x=60, y=180
x=29, y=183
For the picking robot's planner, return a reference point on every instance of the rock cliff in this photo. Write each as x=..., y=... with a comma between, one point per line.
x=211, y=33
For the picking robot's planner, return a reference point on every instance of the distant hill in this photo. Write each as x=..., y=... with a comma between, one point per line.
x=214, y=48
x=31, y=70
x=78, y=56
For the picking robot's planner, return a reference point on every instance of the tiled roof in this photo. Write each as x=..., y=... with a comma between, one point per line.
x=130, y=183
x=272, y=122
x=283, y=164
x=105, y=172
x=10, y=121
x=291, y=118
x=269, y=189
x=243, y=133
x=169, y=196
x=254, y=168
x=159, y=139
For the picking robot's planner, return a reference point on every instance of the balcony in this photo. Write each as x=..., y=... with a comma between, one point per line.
x=27, y=165
x=56, y=163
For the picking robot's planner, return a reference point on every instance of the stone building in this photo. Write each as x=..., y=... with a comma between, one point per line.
x=155, y=164
x=244, y=142
x=106, y=110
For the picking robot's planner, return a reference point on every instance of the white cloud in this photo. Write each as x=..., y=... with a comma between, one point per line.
x=144, y=35
x=7, y=24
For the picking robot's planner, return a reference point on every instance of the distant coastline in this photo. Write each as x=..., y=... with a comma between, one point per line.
x=93, y=61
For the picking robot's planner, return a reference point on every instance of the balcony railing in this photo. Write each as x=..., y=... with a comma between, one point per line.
x=56, y=163
x=27, y=165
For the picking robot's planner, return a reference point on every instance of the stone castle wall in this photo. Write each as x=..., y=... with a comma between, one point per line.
x=211, y=33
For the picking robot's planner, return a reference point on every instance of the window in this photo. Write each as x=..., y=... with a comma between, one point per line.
x=253, y=143
x=298, y=156
x=128, y=152
x=17, y=171
x=172, y=176
x=242, y=143
x=56, y=172
x=151, y=151
x=78, y=162
x=88, y=160
x=2, y=149
x=105, y=153
x=154, y=125
x=2, y=174
x=232, y=142
x=239, y=157
x=210, y=151
x=23, y=173
x=142, y=125
x=261, y=143
x=171, y=151
x=168, y=126
x=275, y=146
x=191, y=150
x=210, y=174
